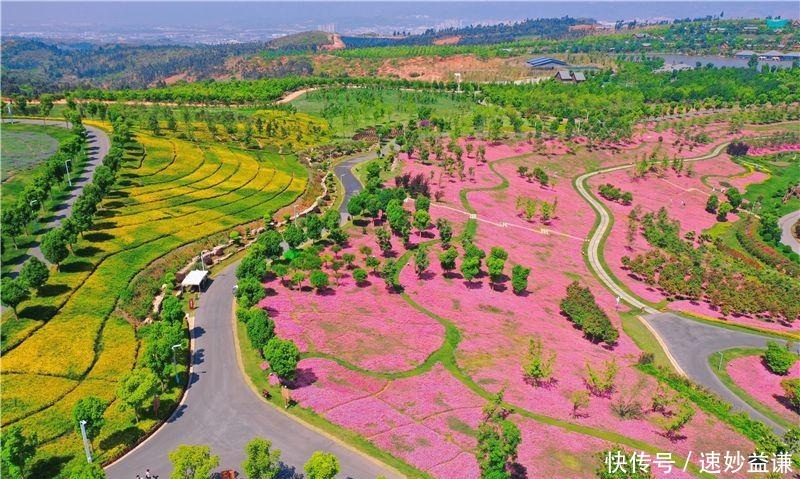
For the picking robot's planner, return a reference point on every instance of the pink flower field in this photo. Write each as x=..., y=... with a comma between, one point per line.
x=383, y=385
x=750, y=374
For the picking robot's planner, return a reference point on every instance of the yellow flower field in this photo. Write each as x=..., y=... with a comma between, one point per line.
x=177, y=193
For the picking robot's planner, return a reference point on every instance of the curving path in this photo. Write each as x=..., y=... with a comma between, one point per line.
x=687, y=343
x=220, y=409
x=98, y=146
x=350, y=181
x=786, y=223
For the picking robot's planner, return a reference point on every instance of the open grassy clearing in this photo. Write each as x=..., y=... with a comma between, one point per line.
x=24, y=146
x=69, y=333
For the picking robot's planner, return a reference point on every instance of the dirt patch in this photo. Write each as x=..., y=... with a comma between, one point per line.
x=447, y=40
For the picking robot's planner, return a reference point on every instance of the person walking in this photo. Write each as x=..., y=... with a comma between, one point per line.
x=147, y=474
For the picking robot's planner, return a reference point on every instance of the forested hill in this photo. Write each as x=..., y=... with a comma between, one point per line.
x=34, y=66
x=547, y=28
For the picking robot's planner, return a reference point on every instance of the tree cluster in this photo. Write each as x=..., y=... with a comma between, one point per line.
x=581, y=308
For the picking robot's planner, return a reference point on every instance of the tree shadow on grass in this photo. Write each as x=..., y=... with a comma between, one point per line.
x=87, y=251
x=105, y=225
x=38, y=312
x=518, y=471
x=50, y=290
x=49, y=467
x=128, y=435
x=303, y=378
x=97, y=237
x=76, y=267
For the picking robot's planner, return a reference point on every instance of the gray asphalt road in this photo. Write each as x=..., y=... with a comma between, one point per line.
x=98, y=145
x=352, y=185
x=692, y=342
x=787, y=223
x=222, y=411
x=688, y=343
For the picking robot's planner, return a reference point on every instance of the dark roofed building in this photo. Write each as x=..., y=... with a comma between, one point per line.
x=545, y=62
x=567, y=76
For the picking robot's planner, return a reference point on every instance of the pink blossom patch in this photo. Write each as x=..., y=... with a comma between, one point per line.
x=750, y=374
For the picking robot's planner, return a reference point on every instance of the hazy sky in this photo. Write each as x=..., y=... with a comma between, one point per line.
x=49, y=18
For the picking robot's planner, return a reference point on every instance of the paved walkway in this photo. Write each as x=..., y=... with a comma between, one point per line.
x=222, y=411
x=692, y=342
x=786, y=224
x=687, y=343
x=98, y=145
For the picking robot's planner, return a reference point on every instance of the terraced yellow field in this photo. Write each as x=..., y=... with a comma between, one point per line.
x=178, y=193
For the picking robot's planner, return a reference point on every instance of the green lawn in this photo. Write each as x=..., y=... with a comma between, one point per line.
x=23, y=148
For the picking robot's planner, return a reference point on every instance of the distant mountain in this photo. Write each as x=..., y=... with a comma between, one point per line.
x=35, y=66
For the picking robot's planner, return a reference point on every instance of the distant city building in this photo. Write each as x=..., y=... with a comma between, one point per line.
x=675, y=67
x=773, y=55
x=546, y=62
x=744, y=54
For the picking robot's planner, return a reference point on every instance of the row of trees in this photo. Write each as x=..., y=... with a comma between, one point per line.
x=711, y=272
x=16, y=218
x=56, y=244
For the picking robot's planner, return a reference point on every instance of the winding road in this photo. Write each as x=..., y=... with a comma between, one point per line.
x=98, y=146
x=352, y=185
x=687, y=343
x=786, y=223
x=221, y=410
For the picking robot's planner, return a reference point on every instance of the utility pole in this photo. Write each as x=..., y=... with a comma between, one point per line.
x=66, y=167
x=86, y=446
x=175, y=361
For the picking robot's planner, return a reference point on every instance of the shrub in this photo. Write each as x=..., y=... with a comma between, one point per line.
x=539, y=362
x=260, y=328
x=792, y=389
x=359, y=275
x=519, y=278
x=779, y=359
x=582, y=309
x=601, y=383
x=612, y=193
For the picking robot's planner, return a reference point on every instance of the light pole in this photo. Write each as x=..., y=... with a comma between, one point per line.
x=175, y=361
x=66, y=167
x=86, y=446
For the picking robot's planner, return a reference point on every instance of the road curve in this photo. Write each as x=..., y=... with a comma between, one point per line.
x=687, y=343
x=98, y=146
x=222, y=411
x=786, y=223
x=350, y=181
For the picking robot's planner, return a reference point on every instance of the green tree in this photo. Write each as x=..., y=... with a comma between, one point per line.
x=87, y=470
x=137, y=388
x=283, y=357
x=601, y=382
x=447, y=259
x=359, y=275
x=319, y=279
x=722, y=212
x=261, y=461
x=539, y=363
x=54, y=247
x=158, y=354
x=322, y=465
x=192, y=462
x=252, y=266
x=445, y=231
x=271, y=240
x=293, y=236
x=498, y=441
x=372, y=263
x=791, y=387
x=89, y=409
x=779, y=359
x=13, y=292
x=734, y=196
x=389, y=274
x=579, y=400
x=519, y=278
x=421, y=261
x=422, y=203
x=313, y=227
x=172, y=309
x=17, y=451
x=712, y=204
x=249, y=292
x=421, y=220
x=260, y=328
x=470, y=267
x=384, y=239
